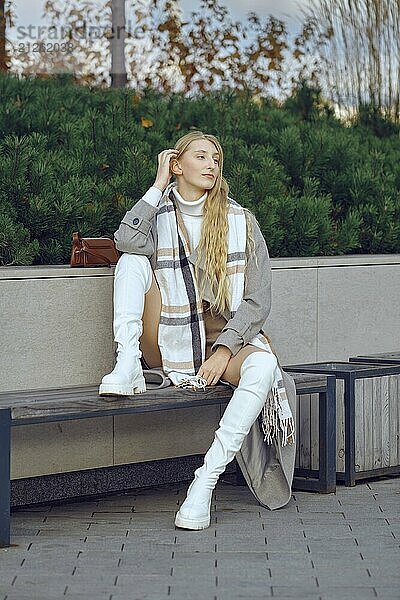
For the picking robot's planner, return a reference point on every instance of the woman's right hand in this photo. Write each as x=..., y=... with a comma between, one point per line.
x=164, y=172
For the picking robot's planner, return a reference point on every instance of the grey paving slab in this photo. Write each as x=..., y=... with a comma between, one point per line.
x=369, y=524
x=369, y=555
x=91, y=562
x=385, y=567
x=346, y=593
x=230, y=544
x=387, y=593
x=321, y=516
x=50, y=546
x=133, y=596
x=29, y=580
x=276, y=560
x=249, y=587
x=293, y=577
x=336, y=553
x=296, y=591
x=88, y=595
x=347, y=578
x=32, y=595
x=125, y=547
x=56, y=570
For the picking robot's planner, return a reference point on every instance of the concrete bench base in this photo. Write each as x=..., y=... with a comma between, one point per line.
x=108, y=480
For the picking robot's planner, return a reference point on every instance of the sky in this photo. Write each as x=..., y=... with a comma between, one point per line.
x=29, y=13
x=284, y=9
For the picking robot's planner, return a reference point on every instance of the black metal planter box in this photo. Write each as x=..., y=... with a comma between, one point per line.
x=367, y=418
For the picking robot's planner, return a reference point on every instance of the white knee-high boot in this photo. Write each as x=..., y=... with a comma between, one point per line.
x=132, y=279
x=257, y=375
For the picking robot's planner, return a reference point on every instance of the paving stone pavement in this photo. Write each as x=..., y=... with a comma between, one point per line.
x=125, y=547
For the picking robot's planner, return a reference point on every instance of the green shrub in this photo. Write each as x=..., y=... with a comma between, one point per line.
x=74, y=157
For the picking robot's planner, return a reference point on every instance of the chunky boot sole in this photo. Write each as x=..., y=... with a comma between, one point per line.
x=115, y=389
x=191, y=523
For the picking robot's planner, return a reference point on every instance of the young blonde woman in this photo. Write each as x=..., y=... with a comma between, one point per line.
x=192, y=292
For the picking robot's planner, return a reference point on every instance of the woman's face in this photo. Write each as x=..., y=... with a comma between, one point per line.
x=198, y=166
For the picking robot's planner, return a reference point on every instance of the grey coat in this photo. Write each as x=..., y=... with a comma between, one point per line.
x=268, y=469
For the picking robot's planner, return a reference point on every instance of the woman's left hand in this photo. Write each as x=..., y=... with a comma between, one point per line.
x=214, y=367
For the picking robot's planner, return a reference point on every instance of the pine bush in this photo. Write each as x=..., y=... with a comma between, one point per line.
x=77, y=158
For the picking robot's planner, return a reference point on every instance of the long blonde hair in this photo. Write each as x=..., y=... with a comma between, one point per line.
x=213, y=244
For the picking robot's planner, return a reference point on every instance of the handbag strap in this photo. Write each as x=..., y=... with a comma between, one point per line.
x=84, y=249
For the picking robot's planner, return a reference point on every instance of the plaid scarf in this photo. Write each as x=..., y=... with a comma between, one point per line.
x=181, y=331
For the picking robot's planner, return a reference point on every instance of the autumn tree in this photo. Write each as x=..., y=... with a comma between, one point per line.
x=207, y=51
x=6, y=18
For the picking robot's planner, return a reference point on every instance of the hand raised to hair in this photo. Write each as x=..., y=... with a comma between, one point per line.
x=164, y=172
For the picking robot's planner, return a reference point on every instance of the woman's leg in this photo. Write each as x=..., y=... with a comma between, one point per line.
x=214, y=326
x=232, y=371
x=133, y=278
x=256, y=376
x=151, y=318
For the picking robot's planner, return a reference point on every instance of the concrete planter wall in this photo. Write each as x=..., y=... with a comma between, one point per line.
x=56, y=330
x=56, y=322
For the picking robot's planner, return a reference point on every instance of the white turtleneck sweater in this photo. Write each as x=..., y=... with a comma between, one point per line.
x=192, y=215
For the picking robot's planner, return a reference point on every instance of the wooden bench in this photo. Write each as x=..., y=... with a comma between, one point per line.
x=43, y=406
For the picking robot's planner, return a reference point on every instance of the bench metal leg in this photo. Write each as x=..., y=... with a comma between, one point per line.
x=5, y=483
x=327, y=438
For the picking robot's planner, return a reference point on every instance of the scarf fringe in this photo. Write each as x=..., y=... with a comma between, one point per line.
x=272, y=420
x=195, y=383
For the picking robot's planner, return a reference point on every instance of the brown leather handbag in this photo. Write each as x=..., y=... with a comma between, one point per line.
x=93, y=252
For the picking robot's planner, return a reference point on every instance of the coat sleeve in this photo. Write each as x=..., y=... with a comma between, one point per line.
x=136, y=233
x=255, y=307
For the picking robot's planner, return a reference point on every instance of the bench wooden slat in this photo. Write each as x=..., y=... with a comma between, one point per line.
x=302, y=380
x=82, y=401
x=39, y=399
x=92, y=404
x=31, y=394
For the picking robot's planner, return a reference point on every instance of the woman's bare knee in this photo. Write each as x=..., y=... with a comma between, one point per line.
x=232, y=371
